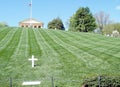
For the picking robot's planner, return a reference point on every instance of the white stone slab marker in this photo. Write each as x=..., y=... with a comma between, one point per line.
x=31, y=83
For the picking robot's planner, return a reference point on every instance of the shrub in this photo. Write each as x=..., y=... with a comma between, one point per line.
x=103, y=81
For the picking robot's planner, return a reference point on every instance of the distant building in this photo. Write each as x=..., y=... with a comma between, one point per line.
x=30, y=22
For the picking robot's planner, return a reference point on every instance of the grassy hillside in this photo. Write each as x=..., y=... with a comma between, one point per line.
x=69, y=57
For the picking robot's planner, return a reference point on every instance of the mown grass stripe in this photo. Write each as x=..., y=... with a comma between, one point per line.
x=54, y=57
x=34, y=48
x=97, y=40
x=44, y=44
x=20, y=55
x=101, y=53
x=66, y=57
x=71, y=48
x=22, y=47
x=3, y=33
x=47, y=58
x=96, y=46
x=9, y=49
x=81, y=59
x=106, y=47
x=6, y=40
x=3, y=28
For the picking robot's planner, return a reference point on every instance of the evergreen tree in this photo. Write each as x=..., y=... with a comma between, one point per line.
x=82, y=21
x=56, y=24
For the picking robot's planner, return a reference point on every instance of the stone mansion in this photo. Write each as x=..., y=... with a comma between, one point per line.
x=31, y=23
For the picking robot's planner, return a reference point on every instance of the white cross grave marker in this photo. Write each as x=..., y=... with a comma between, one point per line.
x=33, y=59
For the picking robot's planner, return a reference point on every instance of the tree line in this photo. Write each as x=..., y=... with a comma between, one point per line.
x=84, y=21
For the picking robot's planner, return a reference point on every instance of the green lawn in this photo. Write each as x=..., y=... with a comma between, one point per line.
x=69, y=57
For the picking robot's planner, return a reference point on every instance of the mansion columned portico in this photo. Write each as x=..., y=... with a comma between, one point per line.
x=31, y=23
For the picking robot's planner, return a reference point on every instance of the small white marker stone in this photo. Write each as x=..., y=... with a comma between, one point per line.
x=31, y=83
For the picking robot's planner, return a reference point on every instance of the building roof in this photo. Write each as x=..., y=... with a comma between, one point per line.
x=30, y=20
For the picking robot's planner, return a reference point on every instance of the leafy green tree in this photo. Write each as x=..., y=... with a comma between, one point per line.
x=82, y=21
x=56, y=24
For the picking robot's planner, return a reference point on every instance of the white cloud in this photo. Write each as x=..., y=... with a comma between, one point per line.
x=118, y=7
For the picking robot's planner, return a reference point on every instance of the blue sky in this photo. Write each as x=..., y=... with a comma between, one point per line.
x=14, y=11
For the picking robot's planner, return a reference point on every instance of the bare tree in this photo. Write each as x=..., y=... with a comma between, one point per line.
x=102, y=19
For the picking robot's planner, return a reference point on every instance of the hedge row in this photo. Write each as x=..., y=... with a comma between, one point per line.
x=102, y=81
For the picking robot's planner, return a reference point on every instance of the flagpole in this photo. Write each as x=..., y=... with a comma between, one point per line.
x=30, y=12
